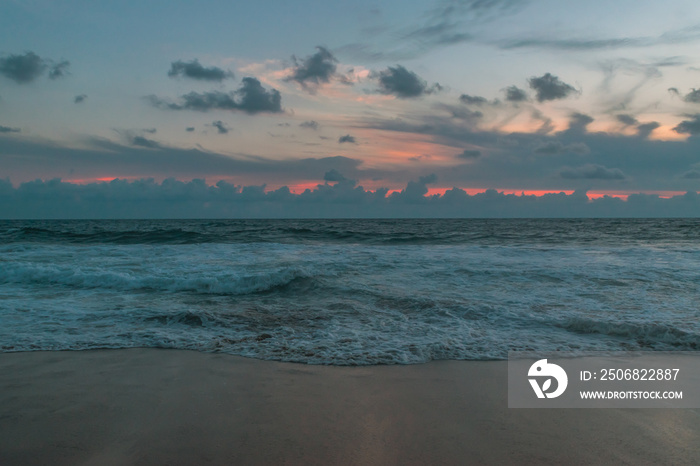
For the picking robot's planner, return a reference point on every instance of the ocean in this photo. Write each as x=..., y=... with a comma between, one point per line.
x=351, y=292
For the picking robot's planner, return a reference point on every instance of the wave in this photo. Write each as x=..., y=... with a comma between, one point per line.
x=223, y=284
x=358, y=231
x=646, y=335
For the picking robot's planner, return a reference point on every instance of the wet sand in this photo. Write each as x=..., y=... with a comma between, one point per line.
x=158, y=407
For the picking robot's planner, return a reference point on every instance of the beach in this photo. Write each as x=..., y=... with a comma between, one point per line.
x=153, y=406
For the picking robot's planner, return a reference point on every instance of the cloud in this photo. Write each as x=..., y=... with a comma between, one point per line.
x=415, y=190
x=80, y=98
x=469, y=154
x=443, y=33
x=693, y=96
x=592, y=172
x=547, y=125
x=141, y=141
x=333, y=176
x=220, y=127
x=572, y=44
x=628, y=120
x=558, y=148
x=311, y=124
x=646, y=164
x=347, y=138
x=684, y=35
x=7, y=129
x=515, y=94
x=23, y=68
x=314, y=70
x=550, y=87
x=404, y=84
x=473, y=100
x=444, y=23
x=195, y=70
x=59, y=70
x=27, y=158
x=691, y=126
x=171, y=198
x=691, y=175
x=251, y=98
x=645, y=129
x=472, y=117
x=579, y=122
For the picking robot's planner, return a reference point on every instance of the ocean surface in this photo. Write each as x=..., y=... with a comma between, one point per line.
x=351, y=292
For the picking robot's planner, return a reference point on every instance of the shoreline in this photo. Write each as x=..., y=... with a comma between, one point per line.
x=164, y=406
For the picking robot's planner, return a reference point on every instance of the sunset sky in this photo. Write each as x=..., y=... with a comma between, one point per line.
x=517, y=96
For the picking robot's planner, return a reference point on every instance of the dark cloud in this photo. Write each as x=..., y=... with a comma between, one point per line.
x=472, y=117
x=571, y=44
x=645, y=129
x=333, y=176
x=472, y=100
x=550, y=87
x=579, y=122
x=141, y=141
x=515, y=94
x=150, y=130
x=693, y=96
x=547, y=125
x=23, y=68
x=647, y=164
x=592, y=172
x=314, y=70
x=691, y=126
x=220, y=126
x=59, y=70
x=347, y=138
x=79, y=98
x=311, y=124
x=558, y=148
x=195, y=70
x=26, y=159
x=404, y=84
x=197, y=199
x=416, y=190
x=7, y=129
x=469, y=154
x=250, y=98
x=189, y=129
x=628, y=120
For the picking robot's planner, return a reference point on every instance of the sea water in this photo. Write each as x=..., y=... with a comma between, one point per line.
x=351, y=292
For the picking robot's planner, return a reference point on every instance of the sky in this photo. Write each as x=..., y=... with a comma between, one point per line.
x=364, y=108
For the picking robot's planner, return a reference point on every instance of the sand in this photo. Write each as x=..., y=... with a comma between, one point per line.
x=169, y=407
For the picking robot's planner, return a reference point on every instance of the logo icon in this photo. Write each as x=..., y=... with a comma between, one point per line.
x=547, y=371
